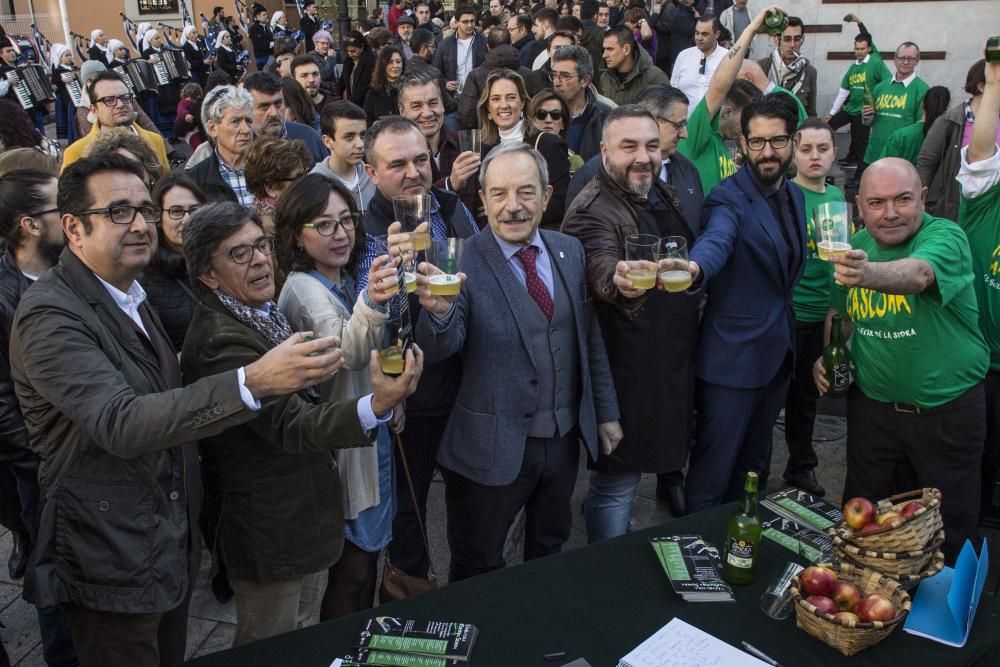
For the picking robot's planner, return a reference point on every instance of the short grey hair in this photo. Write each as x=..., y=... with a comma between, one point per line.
x=208, y=227
x=508, y=149
x=623, y=112
x=221, y=98
x=579, y=55
x=414, y=80
x=390, y=125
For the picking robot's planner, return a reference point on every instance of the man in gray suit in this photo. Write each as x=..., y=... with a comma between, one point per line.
x=535, y=378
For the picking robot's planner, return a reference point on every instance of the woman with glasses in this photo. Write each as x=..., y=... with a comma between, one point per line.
x=550, y=113
x=320, y=241
x=381, y=99
x=272, y=165
x=166, y=279
x=501, y=119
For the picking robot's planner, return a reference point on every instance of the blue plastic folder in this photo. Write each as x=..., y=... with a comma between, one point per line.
x=945, y=605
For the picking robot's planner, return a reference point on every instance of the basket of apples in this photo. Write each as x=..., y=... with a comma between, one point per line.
x=902, y=523
x=846, y=607
x=908, y=567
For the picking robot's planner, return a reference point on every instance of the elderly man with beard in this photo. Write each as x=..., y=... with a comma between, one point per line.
x=111, y=104
x=269, y=115
x=228, y=116
x=749, y=256
x=627, y=197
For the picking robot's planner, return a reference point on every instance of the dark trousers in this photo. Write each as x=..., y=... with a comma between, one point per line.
x=139, y=640
x=859, y=134
x=734, y=437
x=890, y=451
x=991, y=450
x=420, y=439
x=479, y=516
x=800, y=402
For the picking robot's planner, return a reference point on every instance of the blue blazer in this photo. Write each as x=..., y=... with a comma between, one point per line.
x=488, y=427
x=748, y=326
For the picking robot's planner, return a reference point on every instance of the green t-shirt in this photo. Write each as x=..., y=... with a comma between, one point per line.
x=896, y=106
x=873, y=72
x=980, y=218
x=705, y=147
x=924, y=349
x=811, y=297
x=803, y=114
x=905, y=143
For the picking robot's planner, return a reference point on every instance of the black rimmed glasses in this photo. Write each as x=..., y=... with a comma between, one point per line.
x=124, y=215
x=242, y=254
x=111, y=101
x=777, y=143
x=678, y=126
x=178, y=212
x=329, y=227
x=45, y=212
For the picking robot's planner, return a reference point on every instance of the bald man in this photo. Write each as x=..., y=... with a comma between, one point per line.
x=916, y=413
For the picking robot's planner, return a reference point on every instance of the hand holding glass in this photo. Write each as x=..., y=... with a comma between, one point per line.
x=832, y=223
x=470, y=141
x=641, y=254
x=446, y=256
x=673, y=265
x=412, y=211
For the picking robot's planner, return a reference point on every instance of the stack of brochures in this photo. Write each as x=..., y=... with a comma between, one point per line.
x=410, y=643
x=694, y=568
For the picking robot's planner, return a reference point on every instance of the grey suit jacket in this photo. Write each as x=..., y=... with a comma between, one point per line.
x=488, y=427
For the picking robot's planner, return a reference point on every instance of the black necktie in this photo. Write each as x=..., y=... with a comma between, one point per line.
x=786, y=222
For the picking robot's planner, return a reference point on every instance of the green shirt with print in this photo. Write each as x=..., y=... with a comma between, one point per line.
x=923, y=349
x=811, y=297
x=905, y=143
x=705, y=147
x=980, y=218
x=873, y=72
x=896, y=106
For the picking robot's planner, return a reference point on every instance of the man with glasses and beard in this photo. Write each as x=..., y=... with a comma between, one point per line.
x=749, y=256
x=111, y=104
x=627, y=197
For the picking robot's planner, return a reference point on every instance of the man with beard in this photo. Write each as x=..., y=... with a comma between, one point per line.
x=404, y=31
x=307, y=73
x=627, y=197
x=749, y=257
x=269, y=115
x=111, y=104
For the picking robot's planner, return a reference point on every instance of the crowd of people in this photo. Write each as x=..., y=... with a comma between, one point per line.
x=193, y=313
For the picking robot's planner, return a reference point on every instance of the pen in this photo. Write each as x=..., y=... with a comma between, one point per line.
x=757, y=653
x=558, y=655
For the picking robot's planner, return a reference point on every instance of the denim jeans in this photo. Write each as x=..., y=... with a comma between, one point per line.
x=608, y=505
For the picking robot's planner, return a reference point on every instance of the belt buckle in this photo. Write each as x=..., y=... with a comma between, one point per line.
x=906, y=408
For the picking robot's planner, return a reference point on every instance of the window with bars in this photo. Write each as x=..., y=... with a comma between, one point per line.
x=158, y=6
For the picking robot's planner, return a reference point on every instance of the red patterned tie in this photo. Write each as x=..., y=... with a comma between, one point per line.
x=536, y=288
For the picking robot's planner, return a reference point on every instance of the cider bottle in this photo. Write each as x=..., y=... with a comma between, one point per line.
x=837, y=361
x=739, y=561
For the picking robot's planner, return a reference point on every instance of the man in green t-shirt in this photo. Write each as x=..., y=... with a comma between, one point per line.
x=897, y=101
x=716, y=117
x=916, y=415
x=813, y=158
x=869, y=70
x=979, y=216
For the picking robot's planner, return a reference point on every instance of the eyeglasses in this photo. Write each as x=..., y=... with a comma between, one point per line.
x=124, y=215
x=792, y=38
x=41, y=213
x=112, y=101
x=178, y=212
x=243, y=254
x=468, y=22
x=906, y=59
x=677, y=126
x=701, y=65
x=562, y=76
x=552, y=114
x=330, y=227
x=777, y=143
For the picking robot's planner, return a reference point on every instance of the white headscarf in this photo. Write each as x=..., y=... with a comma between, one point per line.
x=141, y=31
x=275, y=16
x=188, y=29
x=56, y=52
x=114, y=45
x=93, y=39
x=218, y=40
x=148, y=37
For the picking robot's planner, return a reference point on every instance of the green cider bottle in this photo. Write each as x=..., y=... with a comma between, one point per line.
x=837, y=361
x=775, y=22
x=743, y=538
x=868, y=100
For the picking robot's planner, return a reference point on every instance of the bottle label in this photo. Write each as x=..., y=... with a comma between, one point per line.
x=740, y=554
x=841, y=376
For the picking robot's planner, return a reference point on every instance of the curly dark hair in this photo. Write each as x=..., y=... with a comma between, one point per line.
x=17, y=129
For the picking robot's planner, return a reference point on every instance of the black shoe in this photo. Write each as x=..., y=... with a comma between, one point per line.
x=19, y=550
x=806, y=480
x=672, y=493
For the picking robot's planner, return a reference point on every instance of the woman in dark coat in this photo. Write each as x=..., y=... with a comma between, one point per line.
x=225, y=57
x=381, y=100
x=192, y=53
x=168, y=288
x=273, y=501
x=356, y=78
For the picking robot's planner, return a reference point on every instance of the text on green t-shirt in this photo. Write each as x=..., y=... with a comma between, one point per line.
x=980, y=218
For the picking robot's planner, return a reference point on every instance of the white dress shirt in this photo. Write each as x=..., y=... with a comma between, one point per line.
x=687, y=75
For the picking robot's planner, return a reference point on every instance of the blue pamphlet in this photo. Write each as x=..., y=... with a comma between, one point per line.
x=945, y=605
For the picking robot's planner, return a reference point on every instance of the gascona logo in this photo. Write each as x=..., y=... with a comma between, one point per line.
x=865, y=304
x=888, y=101
x=995, y=261
x=857, y=79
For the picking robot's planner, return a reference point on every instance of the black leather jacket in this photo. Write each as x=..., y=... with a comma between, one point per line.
x=12, y=286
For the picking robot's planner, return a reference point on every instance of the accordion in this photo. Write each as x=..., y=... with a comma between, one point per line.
x=172, y=67
x=32, y=84
x=139, y=76
x=74, y=87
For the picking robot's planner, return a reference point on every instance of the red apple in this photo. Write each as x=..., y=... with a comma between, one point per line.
x=887, y=518
x=847, y=616
x=910, y=508
x=858, y=511
x=875, y=607
x=818, y=580
x=870, y=528
x=846, y=595
x=823, y=603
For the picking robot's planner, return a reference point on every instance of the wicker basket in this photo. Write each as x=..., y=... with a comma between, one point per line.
x=891, y=563
x=846, y=636
x=935, y=565
x=902, y=534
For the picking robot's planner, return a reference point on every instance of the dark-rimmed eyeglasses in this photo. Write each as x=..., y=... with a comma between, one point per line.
x=329, y=227
x=243, y=254
x=678, y=126
x=777, y=143
x=178, y=212
x=41, y=213
x=551, y=114
x=124, y=215
x=111, y=101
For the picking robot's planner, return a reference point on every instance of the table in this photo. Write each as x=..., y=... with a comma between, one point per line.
x=601, y=601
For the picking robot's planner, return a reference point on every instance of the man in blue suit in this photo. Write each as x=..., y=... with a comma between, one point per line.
x=750, y=255
x=535, y=375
